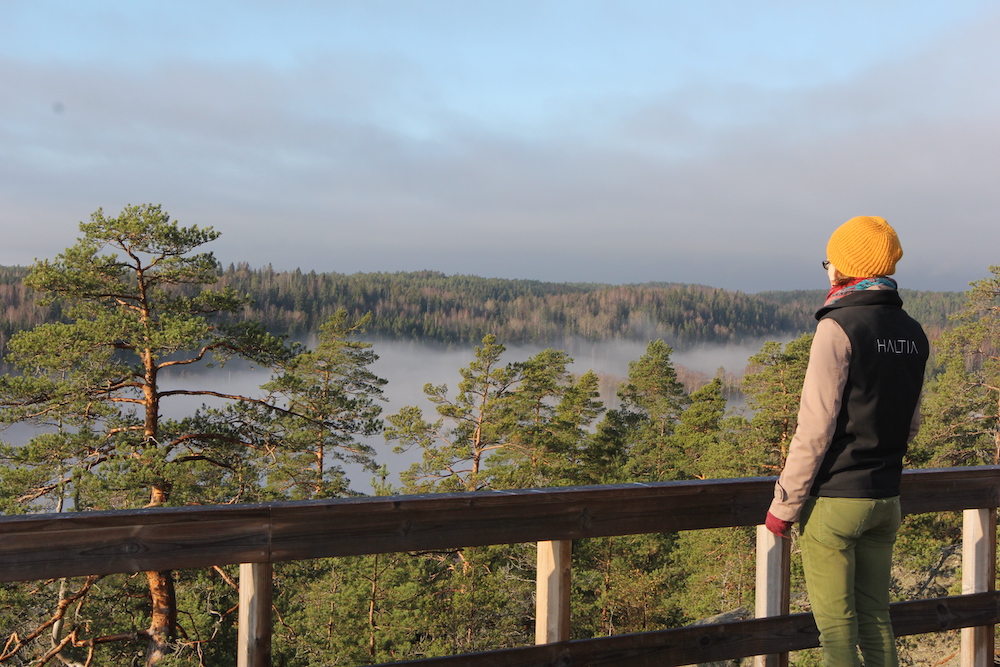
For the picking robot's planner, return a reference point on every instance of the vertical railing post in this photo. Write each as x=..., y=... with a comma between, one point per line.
x=552, y=586
x=979, y=547
x=254, y=632
x=773, y=576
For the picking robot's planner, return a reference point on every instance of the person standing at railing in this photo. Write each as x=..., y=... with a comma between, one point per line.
x=859, y=411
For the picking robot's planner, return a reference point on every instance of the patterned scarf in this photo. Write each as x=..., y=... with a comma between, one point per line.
x=838, y=292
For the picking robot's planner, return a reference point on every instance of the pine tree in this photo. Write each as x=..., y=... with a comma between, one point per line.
x=331, y=398
x=652, y=400
x=136, y=313
x=479, y=421
x=509, y=425
x=961, y=408
x=773, y=390
x=699, y=434
x=552, y=413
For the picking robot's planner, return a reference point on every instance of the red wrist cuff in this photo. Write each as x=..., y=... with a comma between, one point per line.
x=779, y=527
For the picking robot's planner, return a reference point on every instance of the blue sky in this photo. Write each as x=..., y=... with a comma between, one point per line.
x=714, y=142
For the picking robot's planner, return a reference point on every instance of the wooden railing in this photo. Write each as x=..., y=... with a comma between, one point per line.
x=36, y=547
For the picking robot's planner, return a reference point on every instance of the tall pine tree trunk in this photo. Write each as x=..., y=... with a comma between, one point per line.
x=163, y=598
x=163, y=622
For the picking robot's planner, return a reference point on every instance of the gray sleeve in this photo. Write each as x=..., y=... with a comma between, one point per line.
x=822, y=393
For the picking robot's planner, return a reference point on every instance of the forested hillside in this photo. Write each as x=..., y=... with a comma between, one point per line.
x=432, y=306
x=95, y=376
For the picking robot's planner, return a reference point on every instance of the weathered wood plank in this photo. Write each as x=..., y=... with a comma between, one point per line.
x=70, y=544
x=474, y=519
x=552, y=591
x=78, y=544
x=253, y=643
x=773, y=585
x=413, y=523
x=708, y=643
x=979, y=556
x=950, y=489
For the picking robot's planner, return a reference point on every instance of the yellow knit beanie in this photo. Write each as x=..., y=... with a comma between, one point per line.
x=863, y=247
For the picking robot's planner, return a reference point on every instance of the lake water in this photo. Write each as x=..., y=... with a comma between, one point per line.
x=408, y=366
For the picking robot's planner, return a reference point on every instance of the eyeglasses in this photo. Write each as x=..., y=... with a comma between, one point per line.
x=826, y=264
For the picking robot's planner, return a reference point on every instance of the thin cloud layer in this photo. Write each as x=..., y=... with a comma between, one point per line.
x=367, y=159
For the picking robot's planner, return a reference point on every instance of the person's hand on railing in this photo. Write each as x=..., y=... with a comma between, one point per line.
x=779, y=527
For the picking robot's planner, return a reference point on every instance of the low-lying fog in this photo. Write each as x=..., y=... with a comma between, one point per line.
x=408, y=366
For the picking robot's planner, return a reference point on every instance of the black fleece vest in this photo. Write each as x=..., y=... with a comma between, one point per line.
x=888, y=354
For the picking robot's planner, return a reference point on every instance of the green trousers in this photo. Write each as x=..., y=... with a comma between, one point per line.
x=847, y=557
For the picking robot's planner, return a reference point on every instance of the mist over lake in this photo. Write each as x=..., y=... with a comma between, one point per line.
x=409, y=365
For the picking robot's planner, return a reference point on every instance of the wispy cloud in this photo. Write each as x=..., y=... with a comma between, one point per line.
x=376, y=157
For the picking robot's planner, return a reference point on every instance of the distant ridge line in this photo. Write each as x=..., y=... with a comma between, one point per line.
x=433, y=306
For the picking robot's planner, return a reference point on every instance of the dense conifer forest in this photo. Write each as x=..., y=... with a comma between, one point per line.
x=432, y=306
x=93, y=340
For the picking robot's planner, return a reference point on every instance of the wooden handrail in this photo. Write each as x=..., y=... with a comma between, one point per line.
x=43, y=546
x=723, y=641
x=40, y=546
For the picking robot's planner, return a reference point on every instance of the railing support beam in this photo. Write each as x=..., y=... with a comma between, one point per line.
x=773, y=586
x=552, y=586
x=979, y=547
x=254, y=634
